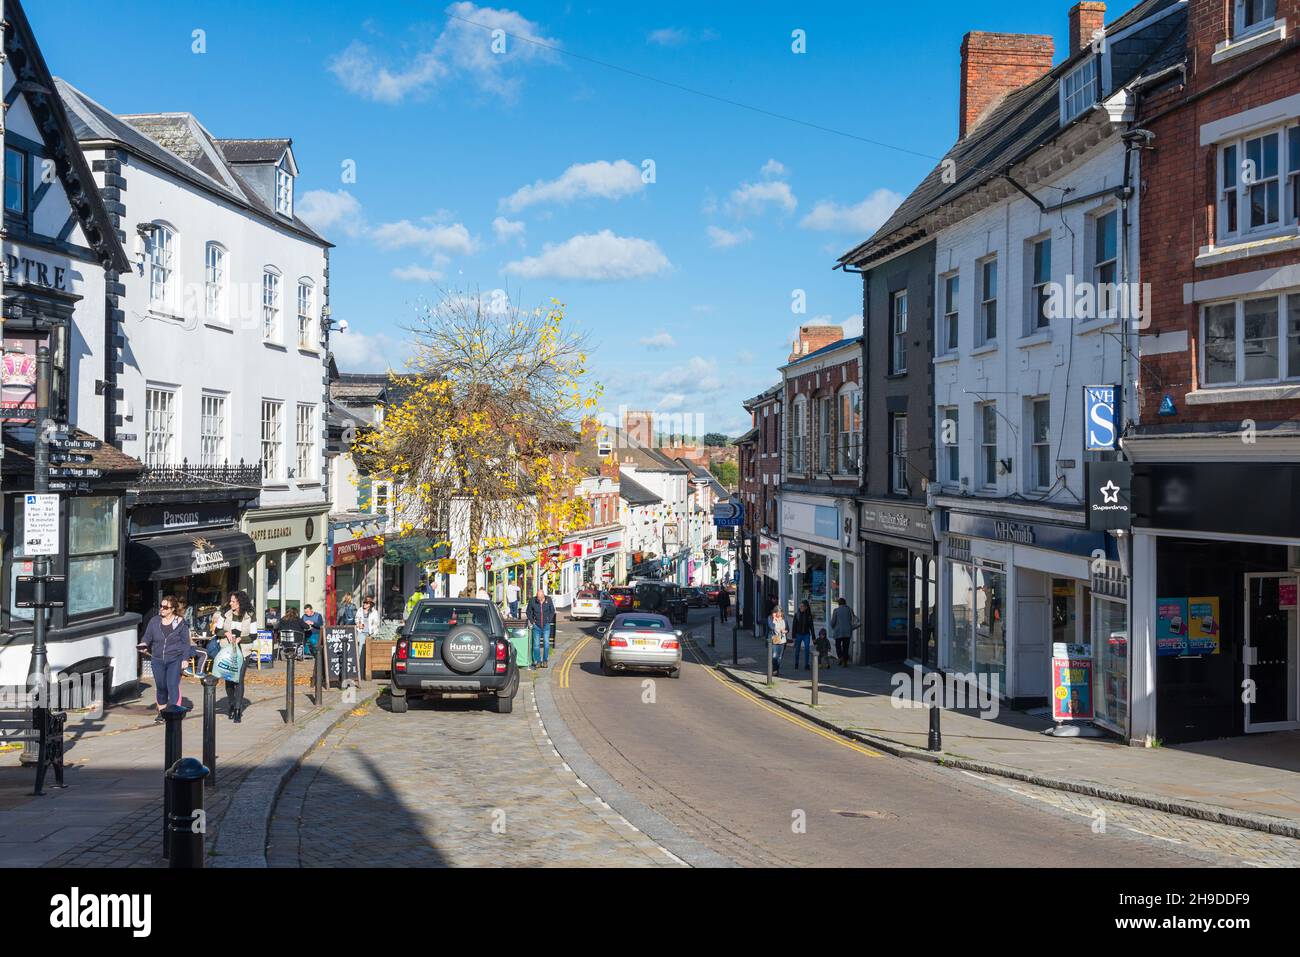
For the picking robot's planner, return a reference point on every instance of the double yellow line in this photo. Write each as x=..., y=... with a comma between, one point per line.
x=572, y=656
x=731, y=685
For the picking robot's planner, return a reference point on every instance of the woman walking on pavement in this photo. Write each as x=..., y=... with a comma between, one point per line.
x=367, y=624
x=777, y=629
x=167, y=642
x=803, y=633
x=235, y=627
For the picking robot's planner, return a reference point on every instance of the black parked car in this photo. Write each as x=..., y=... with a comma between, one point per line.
x=454, y=646
x=695, y=597
x=663, y=598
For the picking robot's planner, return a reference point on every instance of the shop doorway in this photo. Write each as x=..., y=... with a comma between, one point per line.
x=1271, y=654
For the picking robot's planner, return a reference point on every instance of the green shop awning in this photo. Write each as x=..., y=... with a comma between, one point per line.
x=413, y=548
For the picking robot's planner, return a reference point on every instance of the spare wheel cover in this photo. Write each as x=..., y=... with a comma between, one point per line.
x=466, y=649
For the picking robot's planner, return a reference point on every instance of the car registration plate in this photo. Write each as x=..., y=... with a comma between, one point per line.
x=422, y=649
x=645, y=642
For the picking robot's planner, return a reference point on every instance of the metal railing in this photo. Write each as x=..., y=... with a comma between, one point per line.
x=186, y=475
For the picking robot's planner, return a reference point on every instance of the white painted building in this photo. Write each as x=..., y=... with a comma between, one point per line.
x=219, y=382
x=1034, y=218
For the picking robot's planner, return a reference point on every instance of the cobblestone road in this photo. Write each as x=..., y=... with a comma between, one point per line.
x=448, y=785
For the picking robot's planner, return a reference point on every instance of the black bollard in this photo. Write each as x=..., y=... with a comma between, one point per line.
x=210, y=728
x=288, y=688
x=735, y=638
x=172, y=716
x=185, y=820
x=936, y=739
x=814, y=657
x=318, y=676
x=712, y=633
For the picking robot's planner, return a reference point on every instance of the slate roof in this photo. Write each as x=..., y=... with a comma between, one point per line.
x=178, y=143
x=628, y=451
x=19, y=457
x=254, y=151
x=749, y=436
x=633, y=492
x=1026, y=120
x=773, y=392
x=359, y=388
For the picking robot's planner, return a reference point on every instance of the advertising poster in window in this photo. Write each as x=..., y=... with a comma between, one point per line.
x=1203, y=626
x=1071, y=682
x=1286, y=595
x=1171, y=626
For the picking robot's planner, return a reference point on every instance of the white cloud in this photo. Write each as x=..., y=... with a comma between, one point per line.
x=697, y=376
x=852, y=326
x=601, y=180
x=865, y=217
x=360, y=72
x=670, y=401
x=668, y=37
x=678, y=37
x=440, y=238
x=322, y=210
x=417, y=274
x=753, y=198
x=358, y=352
x=774, y=169
x=720, y=238
x=464, y=49
x=598, y=256
x=506, y=229
x=660, y=340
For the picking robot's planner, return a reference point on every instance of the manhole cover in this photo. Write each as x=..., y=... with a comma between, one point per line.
x=875, y=815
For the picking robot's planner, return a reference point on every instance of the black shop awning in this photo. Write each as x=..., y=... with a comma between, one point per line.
x=166, y=557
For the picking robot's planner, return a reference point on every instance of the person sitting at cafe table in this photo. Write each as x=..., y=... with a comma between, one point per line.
x=314, y=621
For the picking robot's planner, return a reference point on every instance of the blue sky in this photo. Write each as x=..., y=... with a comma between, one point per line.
x=523, y=170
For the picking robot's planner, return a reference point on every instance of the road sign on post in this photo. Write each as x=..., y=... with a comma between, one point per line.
x=41, y=525
x=728, y=514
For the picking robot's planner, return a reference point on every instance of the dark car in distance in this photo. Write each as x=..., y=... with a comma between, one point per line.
x=663, y=598
x=695, y=597
x=454, y=647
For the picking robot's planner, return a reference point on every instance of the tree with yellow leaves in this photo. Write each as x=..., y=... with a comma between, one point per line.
x=480, y=436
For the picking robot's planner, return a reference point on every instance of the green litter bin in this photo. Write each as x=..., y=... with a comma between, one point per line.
x=517, y=629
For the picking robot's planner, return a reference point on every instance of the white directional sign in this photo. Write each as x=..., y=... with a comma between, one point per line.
x=40, y=525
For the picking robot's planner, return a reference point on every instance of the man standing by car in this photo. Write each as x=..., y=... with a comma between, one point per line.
x=541, y=619
x=843, y=624
x=724, y=603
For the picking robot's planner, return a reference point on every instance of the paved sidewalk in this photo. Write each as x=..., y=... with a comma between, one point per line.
x=1247, y=782
x=110, y=814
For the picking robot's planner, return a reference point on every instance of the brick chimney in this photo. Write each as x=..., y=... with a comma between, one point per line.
x=1086, y=18
x=995, y=64
x=812, y=338
x=639, y=427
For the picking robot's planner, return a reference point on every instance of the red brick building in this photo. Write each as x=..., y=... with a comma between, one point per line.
x=759, y=464
x=821, y=474
x=1214, y=433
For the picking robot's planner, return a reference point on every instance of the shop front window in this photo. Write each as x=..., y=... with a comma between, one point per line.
x=896, y=597
x=962, y=595
x=990, y=624
x=93, y=529
x=20, y=564
x=1063, y=611
x=1110, y=657
x=921, y=642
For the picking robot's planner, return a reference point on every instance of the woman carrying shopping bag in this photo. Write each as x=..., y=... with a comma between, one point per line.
x=235, y=626
x=167, y=642
x=776, y=627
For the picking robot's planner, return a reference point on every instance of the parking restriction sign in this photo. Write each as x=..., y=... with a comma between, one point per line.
x=40, y=525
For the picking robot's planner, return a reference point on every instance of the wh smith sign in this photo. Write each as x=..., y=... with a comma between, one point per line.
x=1100, y=418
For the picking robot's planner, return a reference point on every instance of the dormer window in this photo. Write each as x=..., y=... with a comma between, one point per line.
x=283, y=189
x=1078, y=90
x=1253, y=15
